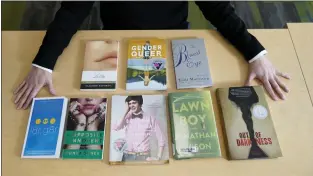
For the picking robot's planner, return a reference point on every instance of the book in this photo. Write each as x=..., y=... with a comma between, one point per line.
x=191, y=64
x=146, y=64
x=139, y=130
x=100, y=65
x=84, y=134
x=248, y=123
x=45, y=127
x=194, y=130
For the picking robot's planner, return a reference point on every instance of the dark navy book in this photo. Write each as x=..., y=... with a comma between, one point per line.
x=45, y=127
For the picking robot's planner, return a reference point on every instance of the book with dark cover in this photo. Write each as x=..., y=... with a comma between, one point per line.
x=194, y=131
x=248, y=123
x=84, y=135
x=191, y=63
x=138, y=130
x=100, y=65
x=146, y=64
x=45, y=127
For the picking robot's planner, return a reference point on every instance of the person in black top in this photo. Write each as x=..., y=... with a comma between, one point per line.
x=145, y=15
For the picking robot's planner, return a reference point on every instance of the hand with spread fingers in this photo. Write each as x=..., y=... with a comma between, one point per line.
x=263, y=70
x=31, y=85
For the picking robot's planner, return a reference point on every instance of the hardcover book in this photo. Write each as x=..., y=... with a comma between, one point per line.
x=191, y=63
x=248, y=123
x=44, y=132
x=194, y=131
x=85, y=134
x=139, y=130
x=100, y=65
x=146, y=65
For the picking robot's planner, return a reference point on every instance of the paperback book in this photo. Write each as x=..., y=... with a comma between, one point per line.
x=139, y=130
x=194, y=131
x=248, y=123
x=146, y=64
x=84, y=134
x=100, y=65
x=44, y=132
x=191, y=63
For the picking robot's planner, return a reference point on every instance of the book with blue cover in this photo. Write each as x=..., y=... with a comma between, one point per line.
x=191, y=63
x=44, y=132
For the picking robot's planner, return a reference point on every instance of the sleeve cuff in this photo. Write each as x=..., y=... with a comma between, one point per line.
x=46, y=69
x=262, y=53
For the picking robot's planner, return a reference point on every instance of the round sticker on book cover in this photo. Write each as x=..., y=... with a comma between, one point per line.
x=259, y=112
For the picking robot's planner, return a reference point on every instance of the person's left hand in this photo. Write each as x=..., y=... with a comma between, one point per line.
x=263, y=70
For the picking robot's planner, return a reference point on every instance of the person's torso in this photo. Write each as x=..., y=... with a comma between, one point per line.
x=144, y=15
x=138, y=133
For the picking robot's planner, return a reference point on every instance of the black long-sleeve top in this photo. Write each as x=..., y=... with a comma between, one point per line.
x=142, y=15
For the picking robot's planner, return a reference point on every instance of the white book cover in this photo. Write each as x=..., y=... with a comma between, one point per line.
x=138, y=130
x=45, y=128
x=100, y=65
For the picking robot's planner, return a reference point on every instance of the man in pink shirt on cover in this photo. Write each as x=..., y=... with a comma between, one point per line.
x=140, y=127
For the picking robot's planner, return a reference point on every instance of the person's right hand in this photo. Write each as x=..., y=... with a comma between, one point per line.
x=30, y=86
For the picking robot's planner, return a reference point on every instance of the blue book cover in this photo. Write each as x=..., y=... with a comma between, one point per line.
x=44, y=132
x=191, y=63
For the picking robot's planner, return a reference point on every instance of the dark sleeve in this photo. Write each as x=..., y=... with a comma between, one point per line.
x=67, y=21
x=222, y=15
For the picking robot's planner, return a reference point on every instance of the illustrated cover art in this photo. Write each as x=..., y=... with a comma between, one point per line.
x=43, y=137
x=249, y=127
x=138, y=130
x=146, y=65
x=191, y=63
x=85, y=134
x=100, y=65
x=194, y=131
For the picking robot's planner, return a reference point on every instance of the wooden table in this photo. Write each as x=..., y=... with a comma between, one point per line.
x=302, y=38
x=293, y=117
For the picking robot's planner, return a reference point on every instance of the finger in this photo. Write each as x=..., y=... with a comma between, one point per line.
x=250, y=78
x=24, y=98
x=269, y=89
x=284, y=75
x=20, y=94
x=51, y=88
x=277, y=89
x=30, y=97
x=281, y=84
x=19, y=87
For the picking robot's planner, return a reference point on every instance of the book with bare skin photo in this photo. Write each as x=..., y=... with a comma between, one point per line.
x=84, y=131
x=100, y=65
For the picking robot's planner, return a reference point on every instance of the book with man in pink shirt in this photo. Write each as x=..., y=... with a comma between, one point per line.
x=138, y=130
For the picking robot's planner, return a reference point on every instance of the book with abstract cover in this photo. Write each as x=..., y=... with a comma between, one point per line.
x=100, y=65
x=191, y=63
x=194, y=131
x=248, y=123
x=146, y=64
x=45, y=127
x=84, y=134
x=138, y=130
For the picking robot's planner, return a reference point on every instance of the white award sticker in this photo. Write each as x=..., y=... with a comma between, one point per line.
x=259, y=112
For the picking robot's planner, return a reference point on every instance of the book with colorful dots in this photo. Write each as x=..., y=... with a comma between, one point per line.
x=45, y=127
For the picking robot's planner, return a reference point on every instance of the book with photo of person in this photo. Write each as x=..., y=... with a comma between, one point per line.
x=45, y=127
x=139, y=130
x=84, y=131
x=248, y=123
x=194, y=130
x=100, y=65
x=146, y=64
